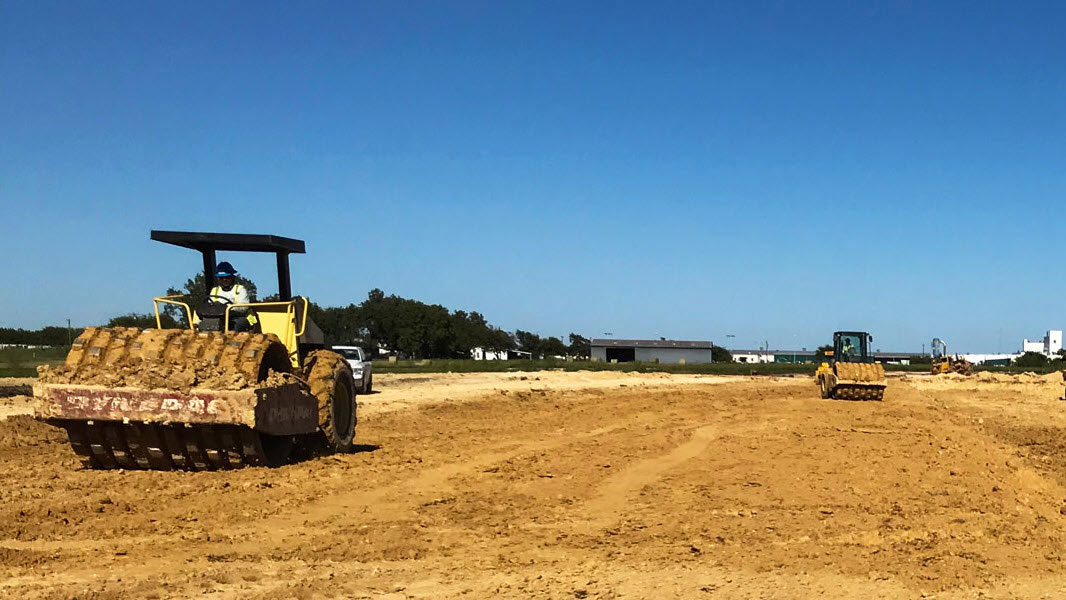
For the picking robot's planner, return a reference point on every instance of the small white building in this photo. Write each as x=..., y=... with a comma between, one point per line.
x=483, y=354
x=752, y=356
x=1049, y=346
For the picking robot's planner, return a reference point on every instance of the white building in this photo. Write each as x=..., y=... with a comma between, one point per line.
x=993, y=359
x=1049, y=346
x=752, y=356
x=483, y=354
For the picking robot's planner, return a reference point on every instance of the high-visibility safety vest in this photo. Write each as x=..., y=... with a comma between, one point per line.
x=236, y=295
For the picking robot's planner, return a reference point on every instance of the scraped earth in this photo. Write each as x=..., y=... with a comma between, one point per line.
x=579, y=486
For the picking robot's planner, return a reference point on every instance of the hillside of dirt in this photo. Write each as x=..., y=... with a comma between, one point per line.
x=639, y=486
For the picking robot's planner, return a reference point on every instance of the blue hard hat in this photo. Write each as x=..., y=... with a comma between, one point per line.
x=224, y=269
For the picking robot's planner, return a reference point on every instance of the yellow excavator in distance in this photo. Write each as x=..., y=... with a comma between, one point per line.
x=850, y=371
x=944, y=363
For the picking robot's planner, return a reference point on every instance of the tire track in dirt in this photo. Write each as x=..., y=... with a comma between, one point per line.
x=78, y=544
x=376, y=504
x=424, y=486
x=613, y=497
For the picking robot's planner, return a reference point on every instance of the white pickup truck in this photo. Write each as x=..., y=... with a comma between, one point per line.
x=362, y=369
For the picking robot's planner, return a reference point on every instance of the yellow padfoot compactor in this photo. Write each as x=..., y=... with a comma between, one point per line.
x=850, y=373
x=205, y=397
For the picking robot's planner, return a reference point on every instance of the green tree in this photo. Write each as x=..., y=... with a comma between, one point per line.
x=821, y=354
x=340, y=324
x=409, y=327
x=551, y=347
x=469, y=331
x=46, y=336
x=528, y=342
x=500, y=340
x=379, y=317
x=720, y=354
x=1030, y=360
x=401, y=325
x=580, y=346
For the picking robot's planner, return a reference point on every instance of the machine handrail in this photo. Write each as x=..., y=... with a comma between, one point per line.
x=303, y=320
x=290, y=303
x=170, y=300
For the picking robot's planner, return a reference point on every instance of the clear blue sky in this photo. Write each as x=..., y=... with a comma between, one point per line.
x=687, y=170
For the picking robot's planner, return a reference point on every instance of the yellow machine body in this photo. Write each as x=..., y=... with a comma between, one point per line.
x=945, y=363
x=847, y=376
x=285, y=320
x=204, y=396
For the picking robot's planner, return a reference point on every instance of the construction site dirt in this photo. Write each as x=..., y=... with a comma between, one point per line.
x=577, y=485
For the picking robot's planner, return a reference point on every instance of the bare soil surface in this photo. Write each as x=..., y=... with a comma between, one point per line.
x=15, y=396
x=400, y=390
x=15, y=405
x=16, y=386
x=579, y=485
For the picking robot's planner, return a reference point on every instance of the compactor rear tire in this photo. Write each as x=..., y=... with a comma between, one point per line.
x=824, y=385
x=333, y=385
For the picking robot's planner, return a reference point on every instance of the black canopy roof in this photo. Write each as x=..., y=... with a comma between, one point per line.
x=208, y=243
x=239, y=242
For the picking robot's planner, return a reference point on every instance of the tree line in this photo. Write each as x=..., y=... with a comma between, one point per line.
x=419, y=330
x=46, y=336
x=406, y=327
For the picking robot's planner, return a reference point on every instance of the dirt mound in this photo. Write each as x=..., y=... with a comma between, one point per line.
x=1027, y=377
x=21, y=431
x=148, y=375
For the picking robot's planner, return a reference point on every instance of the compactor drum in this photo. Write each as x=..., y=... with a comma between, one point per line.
x=189, y=399
x=850, y=373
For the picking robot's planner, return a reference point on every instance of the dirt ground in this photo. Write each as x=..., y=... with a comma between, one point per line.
x=14, y=396
x=578, y=485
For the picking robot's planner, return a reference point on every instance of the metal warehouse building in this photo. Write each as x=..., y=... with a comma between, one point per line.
x=665, y=351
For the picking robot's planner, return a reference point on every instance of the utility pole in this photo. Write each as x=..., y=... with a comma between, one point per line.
x=69, y=340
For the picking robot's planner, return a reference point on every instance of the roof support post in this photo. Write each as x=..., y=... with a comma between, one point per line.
x=209, y=269
x=284, y=285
